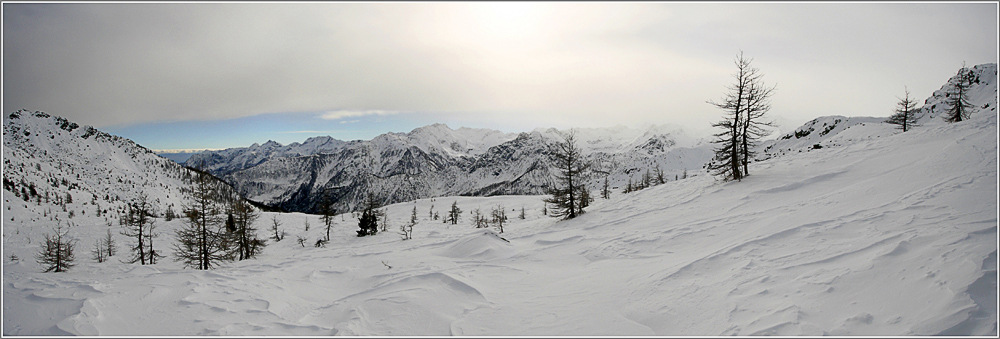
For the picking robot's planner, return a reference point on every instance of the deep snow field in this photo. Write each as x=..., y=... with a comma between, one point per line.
x=894, y=235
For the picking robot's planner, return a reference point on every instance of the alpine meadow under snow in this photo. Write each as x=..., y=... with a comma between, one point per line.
x=846, y=226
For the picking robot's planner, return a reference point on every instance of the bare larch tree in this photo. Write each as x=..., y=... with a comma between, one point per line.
x=745, y=105
x=571, y=170
x=905, y=114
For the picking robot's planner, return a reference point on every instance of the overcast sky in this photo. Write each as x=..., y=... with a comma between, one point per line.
x=198, y=75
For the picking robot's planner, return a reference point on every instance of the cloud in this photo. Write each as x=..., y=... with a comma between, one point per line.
x=536, y=64
x=341, y=114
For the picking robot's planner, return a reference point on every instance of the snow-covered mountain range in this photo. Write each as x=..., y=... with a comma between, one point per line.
x=873, y=232
x=436, y=160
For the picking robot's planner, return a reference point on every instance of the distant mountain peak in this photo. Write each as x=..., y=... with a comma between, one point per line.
x=436, y=160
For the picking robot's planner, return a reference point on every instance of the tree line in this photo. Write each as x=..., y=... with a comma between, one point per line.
x=219, y=226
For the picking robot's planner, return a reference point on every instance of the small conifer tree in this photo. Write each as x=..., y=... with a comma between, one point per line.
x=368, y=223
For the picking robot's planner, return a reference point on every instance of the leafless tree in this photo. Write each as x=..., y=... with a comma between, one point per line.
x=278, y=233
x=958, y=96
x=407, y=229
x=745, y=105
x=104, y=248
x=454, y=214
x=56, y=254
x=904, y=115
x=499, y=217
x=328, y=213
x=202, y=243
x=479, y=219
x=137, y=222
x=244, y=216
x=571, y=170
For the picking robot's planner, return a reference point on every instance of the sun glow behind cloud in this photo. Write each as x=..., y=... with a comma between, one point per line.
x=543, y=63
x=511, y=20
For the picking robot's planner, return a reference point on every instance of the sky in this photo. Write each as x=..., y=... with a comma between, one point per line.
x=219, y=75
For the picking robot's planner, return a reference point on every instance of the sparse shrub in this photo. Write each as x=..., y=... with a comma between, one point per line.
x=408, y=228
x=479, y=219
x=499, y=217
x=104, y=248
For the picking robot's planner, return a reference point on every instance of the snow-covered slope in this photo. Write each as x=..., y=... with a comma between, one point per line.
x=49, y=157
x=436, y=161
x=892, y=235
x=57, y=173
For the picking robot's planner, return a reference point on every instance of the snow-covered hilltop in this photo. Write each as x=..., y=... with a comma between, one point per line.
x=48, y=157
x=834, y=131
x=436, y=160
